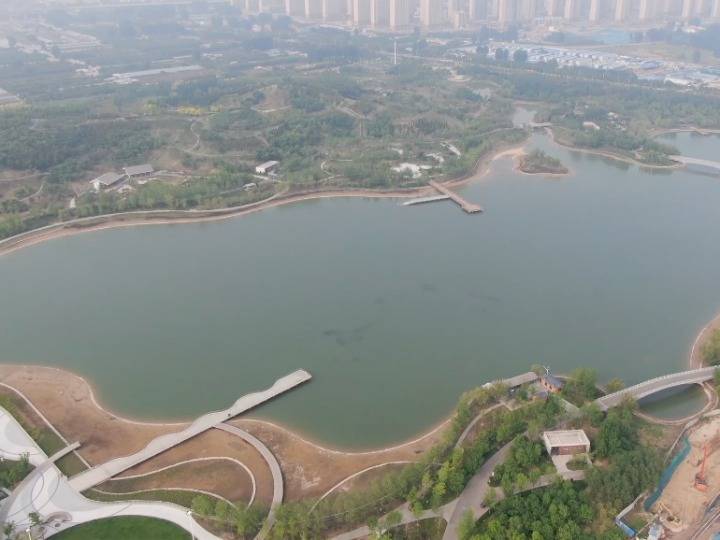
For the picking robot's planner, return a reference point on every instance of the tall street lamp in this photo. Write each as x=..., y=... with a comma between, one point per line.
x=192, y=524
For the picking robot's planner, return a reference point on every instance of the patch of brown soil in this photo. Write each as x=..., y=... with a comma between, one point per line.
x=223, y=478
x=309, y=469
x=680, y=497
x=216, y=443
x=68, y=403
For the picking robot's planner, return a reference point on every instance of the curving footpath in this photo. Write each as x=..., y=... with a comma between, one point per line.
x=237, y=462
x=271, y=460
x=46, y=491
x=474, y=493
x=355, y=475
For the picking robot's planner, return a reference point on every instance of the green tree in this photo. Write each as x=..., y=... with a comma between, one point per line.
x=520, y=56
x=466, y=527
x=392, y=520
x=618, y=432
x=202, y=505
x=614, y=385
x=711, y=349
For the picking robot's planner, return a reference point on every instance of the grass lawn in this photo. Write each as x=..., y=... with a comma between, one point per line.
x=125, y=528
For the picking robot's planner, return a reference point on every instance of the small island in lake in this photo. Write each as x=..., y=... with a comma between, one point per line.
x=538, y=162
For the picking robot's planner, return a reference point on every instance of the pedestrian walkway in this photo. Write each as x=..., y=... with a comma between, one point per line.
x=99, y=474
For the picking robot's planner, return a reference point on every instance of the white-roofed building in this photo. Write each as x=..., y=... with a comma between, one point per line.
x=266, y=168
x=106, y=180
x=139, y=170
x=566, y=442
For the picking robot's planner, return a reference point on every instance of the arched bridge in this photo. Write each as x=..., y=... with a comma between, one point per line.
x=705, y=166
x=649, y=387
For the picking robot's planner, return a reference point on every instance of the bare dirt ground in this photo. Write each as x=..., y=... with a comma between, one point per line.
x=309, y=469
x=223, y=478
x=681, y=498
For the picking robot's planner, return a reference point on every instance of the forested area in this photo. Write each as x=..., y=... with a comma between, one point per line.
x=65, y=145
x=218, y=190
x=624, y=468
x=711, y=349
x=439, y=476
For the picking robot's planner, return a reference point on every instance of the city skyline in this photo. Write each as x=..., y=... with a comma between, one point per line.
x=404, y=14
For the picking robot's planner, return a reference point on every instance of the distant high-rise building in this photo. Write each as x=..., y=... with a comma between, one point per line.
x=379, y=15
x=594, y=13
x=251, y=6
x=294, y=7
x=572, y=10
x=646, y=10
x=313, y=9
x=361, y=12
x=478, y=10
x=703, y=8
x=399, y=14
x=553, y=8
x=716, y=10
x=687, y=9
x=507, y=11
x=333, y=10
x=621, y=10
x=527, y=10
x=430, y=13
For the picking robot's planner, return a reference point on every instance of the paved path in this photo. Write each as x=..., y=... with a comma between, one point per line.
x=468, y=429
x=355, y=475
x=474, y=493
x=16, y=504
x=271, y=460
x=101, y=473
x=237, y=462
x=43, y=418
x=14, y=442
x=406, y=517
x=46, y=491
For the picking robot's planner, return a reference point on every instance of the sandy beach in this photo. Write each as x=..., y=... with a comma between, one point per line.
x=68, y=402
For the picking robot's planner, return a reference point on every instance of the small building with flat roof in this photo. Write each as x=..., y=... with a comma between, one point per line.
x=106, y=180
x=266, y=168
x=566, y=442
x=551, y=383
x=139, y=170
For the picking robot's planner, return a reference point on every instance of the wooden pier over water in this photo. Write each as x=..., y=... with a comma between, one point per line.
x=467, y=206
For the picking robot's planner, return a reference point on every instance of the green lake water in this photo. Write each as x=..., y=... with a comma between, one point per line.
x=394, y=310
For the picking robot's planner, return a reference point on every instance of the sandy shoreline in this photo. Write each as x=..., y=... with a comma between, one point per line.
x=67, y=402
x=31, y=374
x=695, y=359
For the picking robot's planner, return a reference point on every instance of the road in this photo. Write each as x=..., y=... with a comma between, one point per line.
x=474, y=493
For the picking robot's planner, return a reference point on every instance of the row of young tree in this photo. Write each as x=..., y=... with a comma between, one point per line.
x=437, y=478
x=243, y=522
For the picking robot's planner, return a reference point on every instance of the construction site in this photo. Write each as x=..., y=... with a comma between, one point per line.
x=690, y=497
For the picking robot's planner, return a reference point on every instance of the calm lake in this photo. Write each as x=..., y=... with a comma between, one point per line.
x=394, y=310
